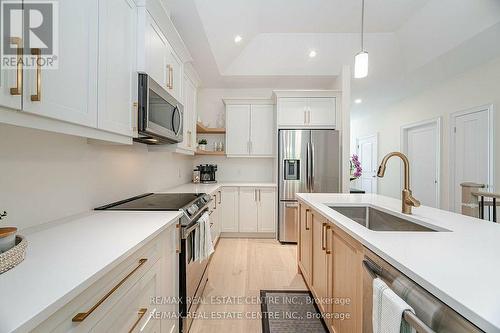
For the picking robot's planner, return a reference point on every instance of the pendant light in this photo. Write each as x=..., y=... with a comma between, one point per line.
x=361, y=59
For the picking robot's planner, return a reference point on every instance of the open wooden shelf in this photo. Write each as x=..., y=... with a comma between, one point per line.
x=208, y=152
x=200, y=128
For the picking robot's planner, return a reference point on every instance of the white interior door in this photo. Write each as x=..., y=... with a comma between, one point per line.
x=472, y=155
x=368, y=156
x=421, y=143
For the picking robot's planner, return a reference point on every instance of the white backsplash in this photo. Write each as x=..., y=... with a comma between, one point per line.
x=46, y=176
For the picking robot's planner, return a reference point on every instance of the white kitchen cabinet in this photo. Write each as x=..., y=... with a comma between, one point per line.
x=175, y=76
x=248, y=209
x=321, y=111
x=257, y=209
x=133, y=312
x=302, y=112
x=292, y=111
x=262, y=130
x=230, y=209
x=68, y=93
x=156, y=51
x=189, y=130
x=237, y=130
x=249, y=129
x=117, y=66
x=11, y=82
x=113, y=302
x=267, y=210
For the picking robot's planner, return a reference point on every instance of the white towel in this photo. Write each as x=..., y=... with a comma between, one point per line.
x=203, y=246
x=388, y=310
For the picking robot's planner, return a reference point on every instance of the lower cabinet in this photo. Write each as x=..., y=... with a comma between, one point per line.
x=321, y=262
x=249, y=210
x=304, y=250
x=125, y=299
x=347, y=282
x=331, y=263
x=230, y=209
x=257, y=207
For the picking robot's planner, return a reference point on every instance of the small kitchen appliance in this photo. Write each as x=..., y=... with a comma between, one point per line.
x=207, y=173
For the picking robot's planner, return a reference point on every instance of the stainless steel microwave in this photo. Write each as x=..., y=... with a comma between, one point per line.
x=160, y=115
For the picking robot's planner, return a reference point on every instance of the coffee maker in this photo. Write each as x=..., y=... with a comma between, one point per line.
x=207, y=173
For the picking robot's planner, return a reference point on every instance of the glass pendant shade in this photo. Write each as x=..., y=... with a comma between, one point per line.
x=361, y=65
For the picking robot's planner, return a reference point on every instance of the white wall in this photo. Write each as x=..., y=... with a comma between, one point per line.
x=211, y=110
x=46, y=176
x=476, y=87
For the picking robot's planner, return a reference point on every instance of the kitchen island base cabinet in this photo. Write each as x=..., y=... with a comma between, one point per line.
x=346, y=276
x=123, y=299
x=304, y=250
x=331, y=263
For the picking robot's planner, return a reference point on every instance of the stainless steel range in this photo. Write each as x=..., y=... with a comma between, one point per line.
x=192, y=274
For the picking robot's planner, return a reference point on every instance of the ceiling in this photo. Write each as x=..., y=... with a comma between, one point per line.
x=403, y=37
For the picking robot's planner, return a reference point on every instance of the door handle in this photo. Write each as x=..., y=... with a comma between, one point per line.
x=305, y=116
x=171, y=77
x=260, y=193
x=307, y=215
x=220, y=197
x=18, y=89
x=38, y=96
x=308, y=184
x=328, y=249
x=312, y=167
x=83, y=315
x=141, y=314
x=255, y=195
x=323, y=246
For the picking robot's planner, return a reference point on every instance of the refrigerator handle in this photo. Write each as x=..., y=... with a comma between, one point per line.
x=312, y=167
x=307, y=168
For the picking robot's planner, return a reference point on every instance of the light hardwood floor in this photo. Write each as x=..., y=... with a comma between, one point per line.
x=241, y=268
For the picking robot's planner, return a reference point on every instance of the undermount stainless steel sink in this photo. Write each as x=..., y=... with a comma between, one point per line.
x=377, y=220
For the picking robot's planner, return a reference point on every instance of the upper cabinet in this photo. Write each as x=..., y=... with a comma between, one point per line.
x=157, y=57
x=118, y=75
x=69, y=92
x=308, y=109
x=92, y=91
x=190, y=97
x=250, y=128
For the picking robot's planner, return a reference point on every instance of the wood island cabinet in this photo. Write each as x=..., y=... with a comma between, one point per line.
x=331, y=263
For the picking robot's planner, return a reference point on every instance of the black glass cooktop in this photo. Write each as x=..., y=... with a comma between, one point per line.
x=153, y=201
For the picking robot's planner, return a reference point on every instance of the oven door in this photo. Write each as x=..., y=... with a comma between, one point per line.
x=160, y=114
x=193, y=274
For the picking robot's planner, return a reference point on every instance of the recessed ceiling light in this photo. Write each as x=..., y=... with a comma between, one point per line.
x=312, y=54
x=238, y=39
x=358, y=101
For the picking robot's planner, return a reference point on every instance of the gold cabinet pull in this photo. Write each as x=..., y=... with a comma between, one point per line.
x=18, y=89
x=189, y=138
x=171, y=77
x=328, y=250
x=307, y=211
x=141, y=314
x=323, y=245
x=83, y=315
x=179, y=238
x=38, y=96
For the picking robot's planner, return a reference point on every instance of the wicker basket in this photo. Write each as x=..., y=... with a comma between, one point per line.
x=11, y=258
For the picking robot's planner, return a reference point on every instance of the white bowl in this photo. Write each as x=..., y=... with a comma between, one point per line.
x=7, y=238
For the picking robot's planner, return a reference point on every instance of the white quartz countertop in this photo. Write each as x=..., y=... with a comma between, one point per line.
x=461, y=267
x=211, y=188
x=63, y=259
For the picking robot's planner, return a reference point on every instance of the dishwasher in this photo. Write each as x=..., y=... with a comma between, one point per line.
x=431, y=314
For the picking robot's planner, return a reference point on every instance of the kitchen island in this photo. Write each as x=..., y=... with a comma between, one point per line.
x=456, y=263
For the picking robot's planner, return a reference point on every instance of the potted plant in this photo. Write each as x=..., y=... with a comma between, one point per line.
x=356, y=170
x=202, y=144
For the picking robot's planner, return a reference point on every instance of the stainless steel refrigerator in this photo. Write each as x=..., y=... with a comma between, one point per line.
x=309, y=161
